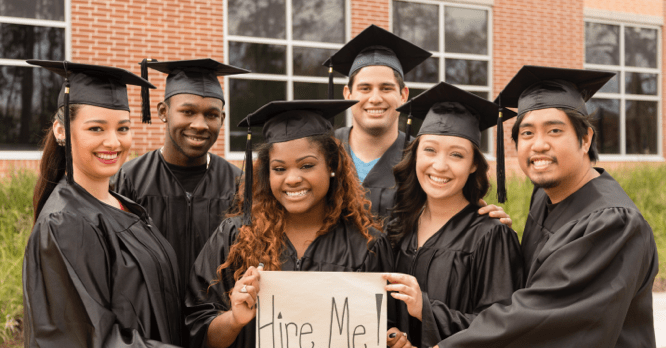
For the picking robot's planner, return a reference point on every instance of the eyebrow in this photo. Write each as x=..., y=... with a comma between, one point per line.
x=297, y=160
x=192, y=105
x=547, y=123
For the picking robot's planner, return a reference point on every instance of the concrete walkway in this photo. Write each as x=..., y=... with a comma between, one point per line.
x=659, y=302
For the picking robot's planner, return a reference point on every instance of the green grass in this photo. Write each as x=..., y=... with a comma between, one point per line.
x=15, y=226
x=645, y=185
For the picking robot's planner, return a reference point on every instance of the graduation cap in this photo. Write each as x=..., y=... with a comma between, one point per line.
x=284, y=121
x=375, y=46
x=195, y=76
x=539, y=87
x=449, y=110
x=96, y=85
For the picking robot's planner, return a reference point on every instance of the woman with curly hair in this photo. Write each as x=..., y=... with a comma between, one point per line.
x=453, y=262
x=308, y=213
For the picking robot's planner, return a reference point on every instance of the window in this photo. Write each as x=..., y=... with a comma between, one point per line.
x=627, y=109
x=29, y=29
x=459, y=38
x=283, y=43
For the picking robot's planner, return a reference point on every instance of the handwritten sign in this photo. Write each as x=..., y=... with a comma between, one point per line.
x=321, y=310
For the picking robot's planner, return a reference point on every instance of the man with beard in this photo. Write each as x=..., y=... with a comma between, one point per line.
x=590, y=256
x=185, y=189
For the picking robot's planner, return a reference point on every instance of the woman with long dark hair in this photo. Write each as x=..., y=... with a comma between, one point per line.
x=308, y=213
x=95, y=272
x=452, y=262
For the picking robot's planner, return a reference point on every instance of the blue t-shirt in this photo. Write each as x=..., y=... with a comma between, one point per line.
x=363, y=168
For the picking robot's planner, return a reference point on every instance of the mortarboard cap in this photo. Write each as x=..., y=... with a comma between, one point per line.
x=449, y=110
x=289, y=120
x=284, y=121
x=95, y=85
x=539, y=87
x=376, y=46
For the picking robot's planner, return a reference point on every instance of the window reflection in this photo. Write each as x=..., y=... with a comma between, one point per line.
x=602, y=44
x=466, y=30
x=31, y=42
x=640, y=47
x=37, y=9
x=258, y=18
x=417, y=23
x=613, y=85
x=428, y=71
x=246, y=96
x=258, y=58
x=485, y=135
x=28, y=100
x=466, y=72
x=606, y=121
x=321, y=21
x=641, y=119
x=307, y=90
x=639, y=83
x=308, y=61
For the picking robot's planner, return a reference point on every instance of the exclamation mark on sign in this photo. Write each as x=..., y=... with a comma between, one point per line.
x=380, y=299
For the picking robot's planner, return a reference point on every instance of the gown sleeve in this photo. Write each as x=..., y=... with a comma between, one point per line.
x=66, y=288
x=591, y=269
x=206, y=300
x=496, y=272
x=380, y=257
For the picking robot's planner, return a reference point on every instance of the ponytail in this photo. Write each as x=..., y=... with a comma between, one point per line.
x=52, y=165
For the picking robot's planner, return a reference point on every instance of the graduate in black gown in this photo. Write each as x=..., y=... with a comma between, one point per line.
x=96, y=272
x=185, y=189
x=308, y=213
x=453, y=262
x=590, y=256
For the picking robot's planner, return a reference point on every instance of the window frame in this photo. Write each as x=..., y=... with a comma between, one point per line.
x=442, y=55
x=67, y=25
x=622, y=96
x=288, y=77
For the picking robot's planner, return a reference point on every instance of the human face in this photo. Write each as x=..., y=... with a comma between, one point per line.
x=192, y=126
x=443, y=164
x=378, y=93
x=549, y=152
x=101, y=140
x=299, y=176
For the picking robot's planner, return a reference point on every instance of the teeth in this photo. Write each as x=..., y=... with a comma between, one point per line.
x=297, y=193
x=107, y=156
x=195, y=138
x=541, y=163
x=439, y=180
x=375, y=111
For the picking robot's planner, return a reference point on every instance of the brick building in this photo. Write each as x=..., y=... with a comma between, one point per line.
x=476, y=44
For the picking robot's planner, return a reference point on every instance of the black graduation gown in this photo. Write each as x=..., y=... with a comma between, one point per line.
x=379, y=182
x=472, y=262
x=187, y=221
x=590, y=263
x=343, y=249
x=97, y=276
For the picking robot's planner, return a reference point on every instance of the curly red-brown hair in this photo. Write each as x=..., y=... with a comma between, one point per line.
x=262, y=242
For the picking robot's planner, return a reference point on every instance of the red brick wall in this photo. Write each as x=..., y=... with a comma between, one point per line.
x=366, y=12
x=123, y=32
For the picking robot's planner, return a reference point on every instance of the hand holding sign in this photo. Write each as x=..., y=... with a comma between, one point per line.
x=406, y=288
x=244, y=297
x=321, y=309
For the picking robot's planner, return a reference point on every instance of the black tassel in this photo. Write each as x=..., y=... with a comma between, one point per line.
x=145, y=93
x=69, y=167
x=247, y=202
x=501, y=175
x=330, y=79
x=408, y=128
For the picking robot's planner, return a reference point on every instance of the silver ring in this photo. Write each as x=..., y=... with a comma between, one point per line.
x=243, y=289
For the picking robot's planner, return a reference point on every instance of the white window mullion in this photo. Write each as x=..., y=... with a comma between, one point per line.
x=290, y=54
x=623, y=115
x=442, y=42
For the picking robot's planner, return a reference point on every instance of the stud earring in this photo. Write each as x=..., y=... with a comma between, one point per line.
x=332, y=174
x=61, y=142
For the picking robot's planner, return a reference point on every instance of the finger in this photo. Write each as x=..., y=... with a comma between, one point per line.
x=398, y=278
x=392, y=336
x=507, y=221
x=402, y=297
x=260, y=267
x=482, y=203
x=402, y=341
x=401, y=288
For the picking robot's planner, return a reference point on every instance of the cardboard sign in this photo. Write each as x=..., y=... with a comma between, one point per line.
x=321, y=310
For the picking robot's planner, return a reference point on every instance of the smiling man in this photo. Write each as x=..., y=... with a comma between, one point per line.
x=589, y=255
x=185, y=189
x=376, y=61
